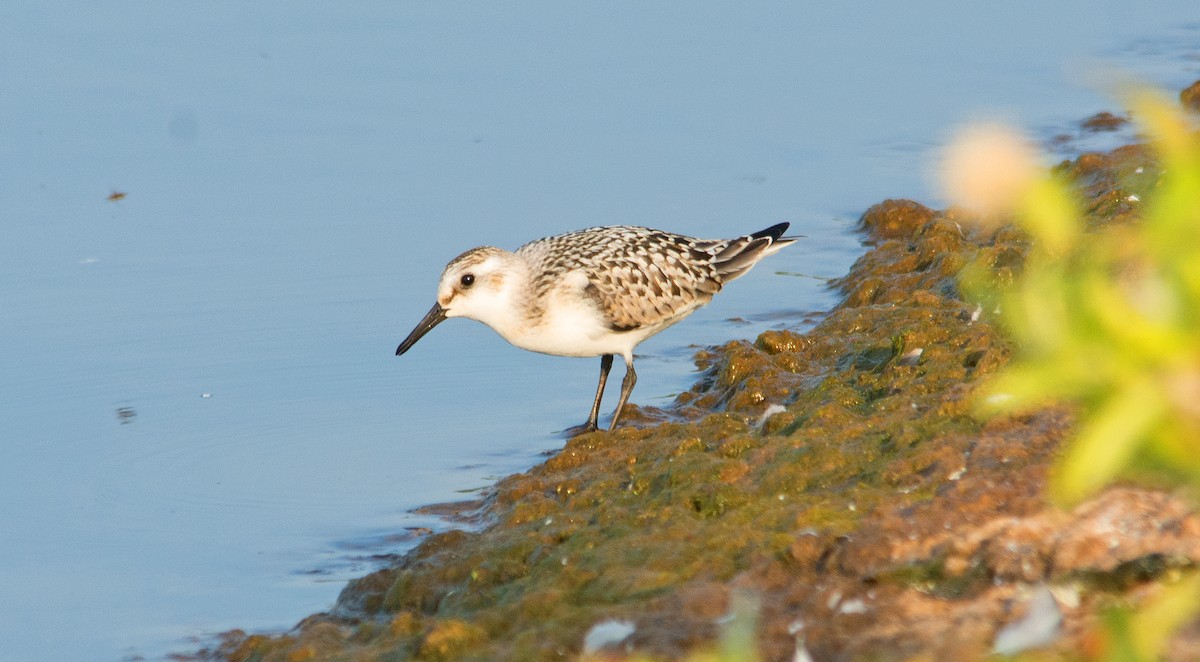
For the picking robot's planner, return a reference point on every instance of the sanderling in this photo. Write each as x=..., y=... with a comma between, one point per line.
x=596, y=292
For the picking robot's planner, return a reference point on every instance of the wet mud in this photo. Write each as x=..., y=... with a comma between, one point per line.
x=838, y=476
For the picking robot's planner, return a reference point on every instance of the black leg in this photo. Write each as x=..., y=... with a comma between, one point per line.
x=626, y=389
x=605, y=365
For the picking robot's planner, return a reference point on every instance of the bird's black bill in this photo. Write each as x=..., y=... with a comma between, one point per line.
x=431, y=319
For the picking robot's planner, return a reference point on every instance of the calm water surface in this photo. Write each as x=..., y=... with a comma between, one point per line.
x=202, y=425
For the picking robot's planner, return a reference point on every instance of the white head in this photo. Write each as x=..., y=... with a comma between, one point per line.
x=478, y=285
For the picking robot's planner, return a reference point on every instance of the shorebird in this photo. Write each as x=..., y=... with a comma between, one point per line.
x=595, y=292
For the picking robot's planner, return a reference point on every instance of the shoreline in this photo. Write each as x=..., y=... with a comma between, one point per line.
x=872, y=516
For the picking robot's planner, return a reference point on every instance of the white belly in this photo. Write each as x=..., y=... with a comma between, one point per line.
x=577, y=330
x=570, y=324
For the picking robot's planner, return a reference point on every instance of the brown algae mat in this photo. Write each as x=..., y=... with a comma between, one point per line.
x=873, y=518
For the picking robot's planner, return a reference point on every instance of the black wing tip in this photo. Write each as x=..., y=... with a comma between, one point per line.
x=774, y=232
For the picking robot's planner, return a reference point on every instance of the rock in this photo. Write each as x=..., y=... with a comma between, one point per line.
x=895, y=219
x=1104, y=121
x=1190, y=97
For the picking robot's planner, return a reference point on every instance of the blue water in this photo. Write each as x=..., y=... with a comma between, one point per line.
x=202, y=425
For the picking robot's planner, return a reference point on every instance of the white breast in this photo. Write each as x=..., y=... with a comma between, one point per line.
x=570, y=324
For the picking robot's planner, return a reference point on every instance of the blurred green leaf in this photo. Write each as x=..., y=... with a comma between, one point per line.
x=1108, y=440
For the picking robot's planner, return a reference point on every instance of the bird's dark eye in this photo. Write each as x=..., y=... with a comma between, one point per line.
x=467, y=280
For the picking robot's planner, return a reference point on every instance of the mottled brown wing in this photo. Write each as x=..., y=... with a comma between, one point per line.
x=655, y=287
x=637, y=276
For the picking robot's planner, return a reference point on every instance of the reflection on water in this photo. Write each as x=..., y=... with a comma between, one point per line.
x=220, y=219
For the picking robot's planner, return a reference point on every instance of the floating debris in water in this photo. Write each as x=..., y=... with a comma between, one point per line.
x=126, y=414
x=797, y=274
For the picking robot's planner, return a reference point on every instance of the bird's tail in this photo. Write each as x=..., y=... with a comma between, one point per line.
x=739, y=255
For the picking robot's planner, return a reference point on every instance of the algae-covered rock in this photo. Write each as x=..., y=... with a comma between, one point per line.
x=895, y=219
x=451, y=639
